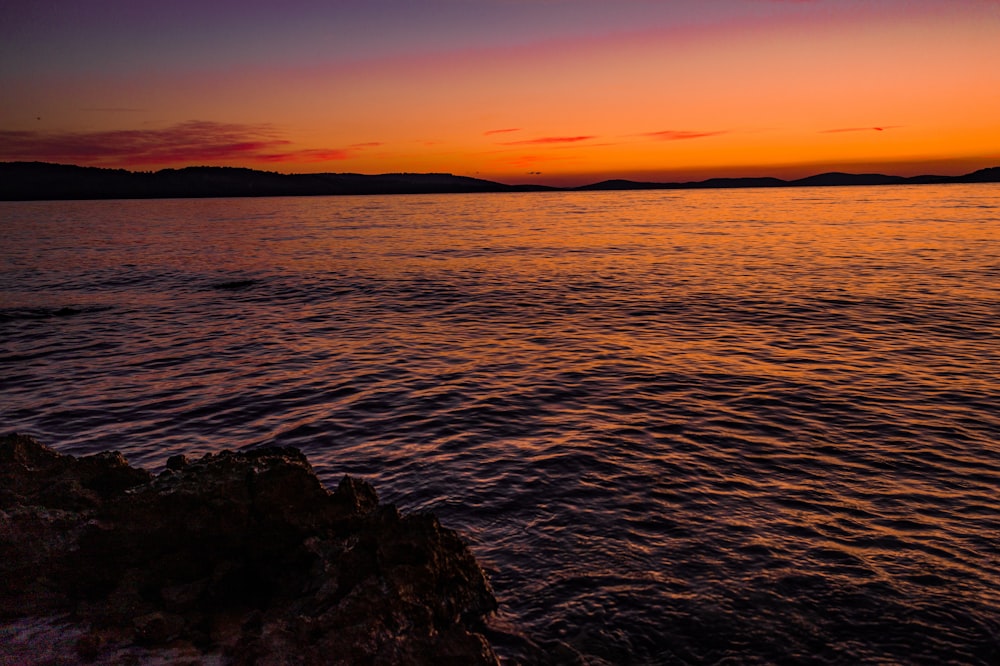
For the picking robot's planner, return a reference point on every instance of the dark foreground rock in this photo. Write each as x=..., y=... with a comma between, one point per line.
x=241, y=558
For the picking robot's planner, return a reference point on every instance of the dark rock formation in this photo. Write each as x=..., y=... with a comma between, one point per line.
x=242, y=555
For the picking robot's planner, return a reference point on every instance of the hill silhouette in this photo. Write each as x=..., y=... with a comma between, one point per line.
x=831, y=179
x=23, y=181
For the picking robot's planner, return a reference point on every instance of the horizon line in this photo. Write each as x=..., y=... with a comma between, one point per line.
x=601, y=181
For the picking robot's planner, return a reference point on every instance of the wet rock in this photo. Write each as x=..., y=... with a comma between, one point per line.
x=157, y=628
x=177, y=462
x=244, y=554
x=88, y=646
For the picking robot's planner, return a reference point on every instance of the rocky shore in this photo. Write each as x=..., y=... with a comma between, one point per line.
x=241, y=558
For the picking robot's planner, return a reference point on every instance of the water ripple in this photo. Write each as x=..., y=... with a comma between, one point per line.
x=688, y=427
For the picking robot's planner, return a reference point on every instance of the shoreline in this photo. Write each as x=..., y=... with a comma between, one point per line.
x=42, y=181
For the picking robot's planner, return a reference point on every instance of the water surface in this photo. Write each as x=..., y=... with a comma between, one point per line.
x=677, y=427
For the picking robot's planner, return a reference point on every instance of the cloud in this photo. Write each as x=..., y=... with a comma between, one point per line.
x=680, y=135
x=314, y=155
x=859, y=129
x=501, y=131
x=191, y=142
x=115, y=109
x=549, y=139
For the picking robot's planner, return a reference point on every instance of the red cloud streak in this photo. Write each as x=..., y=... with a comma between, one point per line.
x=549, y=139
x=680, y=135
x=189, y=142
x=859, y=129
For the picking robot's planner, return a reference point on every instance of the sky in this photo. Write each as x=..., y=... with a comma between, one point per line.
x=562, y=92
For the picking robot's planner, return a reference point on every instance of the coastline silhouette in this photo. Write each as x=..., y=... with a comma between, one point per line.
x=25, y=181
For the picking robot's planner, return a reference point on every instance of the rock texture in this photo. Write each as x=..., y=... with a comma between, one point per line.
x=244, y=556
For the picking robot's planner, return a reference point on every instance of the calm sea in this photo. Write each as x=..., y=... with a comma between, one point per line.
x=677, y=427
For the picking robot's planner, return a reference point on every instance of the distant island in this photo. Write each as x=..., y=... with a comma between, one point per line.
x=26, y=181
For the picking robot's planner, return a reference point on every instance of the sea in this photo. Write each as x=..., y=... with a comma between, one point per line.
x=747, y=426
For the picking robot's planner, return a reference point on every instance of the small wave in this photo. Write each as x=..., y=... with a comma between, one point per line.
x=235, y=285
x=770, y=446
x=16, y=314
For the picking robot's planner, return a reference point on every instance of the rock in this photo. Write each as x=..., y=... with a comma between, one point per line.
x=88, y=646
x=157, y=628
x=243, y=553
x=177, y=462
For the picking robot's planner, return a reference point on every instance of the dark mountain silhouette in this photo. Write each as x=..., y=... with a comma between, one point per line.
x=710, y=183
x=837, y=178
x=988, y=175
x=832, y=179
x=39, y=180
x=21, y=181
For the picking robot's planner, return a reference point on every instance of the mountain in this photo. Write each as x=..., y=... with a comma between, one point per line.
x=39, y=180
x=836, y=178
x=832, y=179
x=21, y=181
x=988, y=175
x=710, y=183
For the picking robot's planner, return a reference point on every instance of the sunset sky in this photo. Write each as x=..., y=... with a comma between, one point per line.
x=520, y=91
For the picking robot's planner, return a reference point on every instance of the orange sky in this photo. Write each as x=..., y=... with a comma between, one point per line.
x=554, y=91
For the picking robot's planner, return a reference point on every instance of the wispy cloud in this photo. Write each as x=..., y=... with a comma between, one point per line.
x=548, y=140
x=681, y=135
x=501, y=131
x=859, y=129
x=312, y=155
x=115, y=109
x=192, y=142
